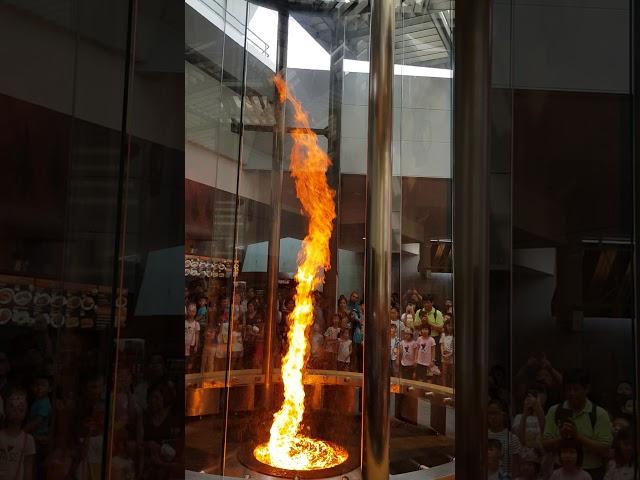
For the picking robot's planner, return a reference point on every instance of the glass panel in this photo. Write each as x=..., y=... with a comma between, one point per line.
x=562, y=322
x=61, y=165
x=146, y=427
x=424, y=362
x=215, y=50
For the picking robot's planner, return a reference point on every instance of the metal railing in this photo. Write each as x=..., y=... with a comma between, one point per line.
x=234, y=22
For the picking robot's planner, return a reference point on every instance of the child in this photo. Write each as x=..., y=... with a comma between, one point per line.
x=394, y=345
x=530, y=466
x=408, y=347
x=446, y=349
x=202, y=308
x=570, y=461
x=511, y=446
x=394, y=318
x=317, y=339
x=409, y=316
x=622, y=466
x=191, y=334
x=426, y=354
x=122, y=465
x=331, y=342
x=423, y=319
x=39, y=417
x=237, y=347
x=494, y=456
x=220, y=360
x=17, y=448
x=258, y=331
x=209, y=349
x=344, y=351
x=529, y=425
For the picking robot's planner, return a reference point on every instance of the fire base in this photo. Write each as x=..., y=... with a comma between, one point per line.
x=247, y=458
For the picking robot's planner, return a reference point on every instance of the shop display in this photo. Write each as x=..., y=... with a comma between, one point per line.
x=41, y=303
x=207, y=267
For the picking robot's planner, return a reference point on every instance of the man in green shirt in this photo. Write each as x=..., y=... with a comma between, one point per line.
x=578, y=418
x=434, y=319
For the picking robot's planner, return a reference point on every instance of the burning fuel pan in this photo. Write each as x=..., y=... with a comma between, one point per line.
x=259, y=470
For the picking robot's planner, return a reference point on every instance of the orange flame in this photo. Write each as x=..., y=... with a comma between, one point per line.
x=286, y=447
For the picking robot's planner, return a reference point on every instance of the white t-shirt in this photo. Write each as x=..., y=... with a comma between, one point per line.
x=236, y=342
x=332, y=333
x=191, y=329
x=221, y=350
x=408, y=349
x=343, y=350
x=425, y=349
x=532, y=432
x=13, y=451
x=618, y=473
x=223, y=338
x=398, y=323
x=394, y=348
x=511, y=446
x=408, y=319
x=580, y=474
x=446, y=343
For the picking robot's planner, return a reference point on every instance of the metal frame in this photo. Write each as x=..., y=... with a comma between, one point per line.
x=273, y=261
x=634, y=61
x=472, y=40
x=334, y=139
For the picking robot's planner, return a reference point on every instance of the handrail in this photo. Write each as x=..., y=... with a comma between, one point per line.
x=242, y=29
x=220, y=379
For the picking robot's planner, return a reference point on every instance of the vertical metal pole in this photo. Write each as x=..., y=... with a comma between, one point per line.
x=377, y=292
x=273, y=261
x=635, y=136
x=470, y=233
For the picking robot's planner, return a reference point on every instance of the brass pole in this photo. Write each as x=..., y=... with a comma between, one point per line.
x=472, y=39
x=377, y=292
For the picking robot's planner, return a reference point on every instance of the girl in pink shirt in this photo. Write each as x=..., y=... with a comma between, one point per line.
x=408, y=347
x=426, y=354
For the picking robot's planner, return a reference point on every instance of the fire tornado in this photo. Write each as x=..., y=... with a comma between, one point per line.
x=287, y=448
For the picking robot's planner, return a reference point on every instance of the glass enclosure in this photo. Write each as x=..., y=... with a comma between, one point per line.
x=245, y=224
x=561, y=193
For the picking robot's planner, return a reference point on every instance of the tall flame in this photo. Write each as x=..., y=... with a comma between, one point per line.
x=286, y=447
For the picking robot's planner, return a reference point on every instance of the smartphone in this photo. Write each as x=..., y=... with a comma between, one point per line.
x=563, y=415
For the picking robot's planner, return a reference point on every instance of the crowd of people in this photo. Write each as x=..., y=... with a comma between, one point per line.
x=421, y=337
x=54, y=420
x=559, y=433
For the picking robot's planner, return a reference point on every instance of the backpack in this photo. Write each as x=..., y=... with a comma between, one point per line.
x=593, y=415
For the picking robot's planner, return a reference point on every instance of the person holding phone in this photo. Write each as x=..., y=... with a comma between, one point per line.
x=577, y=418
x=529, y=424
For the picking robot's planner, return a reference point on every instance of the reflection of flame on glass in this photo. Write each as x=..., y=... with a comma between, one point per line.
x=287, y=448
